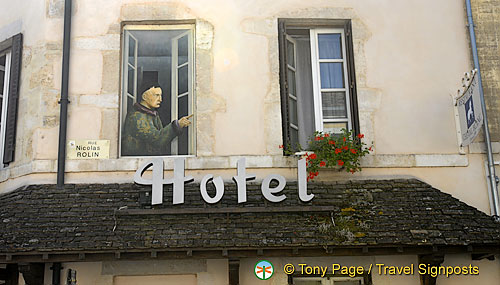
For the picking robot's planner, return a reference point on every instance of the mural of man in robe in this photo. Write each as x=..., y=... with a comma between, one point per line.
x=143, y=132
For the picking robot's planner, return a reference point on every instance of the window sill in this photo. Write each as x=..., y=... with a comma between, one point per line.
x=229, y=162
x=302, y=153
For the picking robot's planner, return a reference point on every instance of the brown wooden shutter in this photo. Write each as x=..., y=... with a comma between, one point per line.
x=283, y=83
x=15, y=76
x=352, y=77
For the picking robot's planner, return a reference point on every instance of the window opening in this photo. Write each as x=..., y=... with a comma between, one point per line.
x=317, y=81
x=159, y=56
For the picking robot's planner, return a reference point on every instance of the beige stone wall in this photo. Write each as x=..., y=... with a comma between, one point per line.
x=38, y=94
x=486, y=16
x=155, y=280
x=181, y=271
x=215, y=271
x=489, y=271
x=409, y=63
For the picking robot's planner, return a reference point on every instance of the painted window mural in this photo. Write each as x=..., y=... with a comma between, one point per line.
x=157, y=106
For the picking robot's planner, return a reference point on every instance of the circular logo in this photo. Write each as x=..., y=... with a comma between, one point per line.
x=264, y=269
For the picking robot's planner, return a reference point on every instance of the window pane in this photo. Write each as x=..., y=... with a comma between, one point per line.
x=290, y=53
x=182, y=79
x=330, y=46
x=291, y=82
x=183, y=106
x=293, y=111
x=131, y=50
x=332, y=75
x=2, y=79
x=334, y=105
x=334, y=128
x=183, y=141
x=183, y=50
x=2, y=76
x=130, y=83
x=130, y=103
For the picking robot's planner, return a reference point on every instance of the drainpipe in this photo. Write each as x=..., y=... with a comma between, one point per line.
x=492, y=178
x=63, y=117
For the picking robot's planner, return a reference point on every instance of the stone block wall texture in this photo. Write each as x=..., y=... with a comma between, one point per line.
x=486, y=16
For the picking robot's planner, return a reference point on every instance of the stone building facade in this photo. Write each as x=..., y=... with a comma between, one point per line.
x=486, y=19
x=402, y=63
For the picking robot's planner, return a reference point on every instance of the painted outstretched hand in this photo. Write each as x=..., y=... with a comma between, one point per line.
x=184, y=121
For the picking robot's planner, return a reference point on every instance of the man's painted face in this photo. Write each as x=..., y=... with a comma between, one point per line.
x=152, y=98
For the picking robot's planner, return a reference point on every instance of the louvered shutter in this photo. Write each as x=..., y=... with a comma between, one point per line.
x=351, y=77
x=15, y=76
x=283, y=83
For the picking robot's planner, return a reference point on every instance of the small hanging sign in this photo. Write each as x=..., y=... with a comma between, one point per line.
x=88, y=149
x=468, y=109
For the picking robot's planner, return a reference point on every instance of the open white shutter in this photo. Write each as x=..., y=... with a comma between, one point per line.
x=129, y=83
x=182, y=93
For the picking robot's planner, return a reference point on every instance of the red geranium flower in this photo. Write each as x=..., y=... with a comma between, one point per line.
x=345, y=147
x=322, y=163
x=370, y=149
x=340, y=162
x=344, y=139
x=353, y=150
x=318, y=138
x=338, y=150
x=313, y=156
x=327, y=135
x=281, y=146
x=361, y=136
x=331, y=142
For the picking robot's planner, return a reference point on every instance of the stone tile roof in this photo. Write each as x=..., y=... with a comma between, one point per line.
x=42, y=218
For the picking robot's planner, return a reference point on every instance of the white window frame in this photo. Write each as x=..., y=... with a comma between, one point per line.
x=5, y=102
x=175, y=96
x=315, y=63
x=294, y=70
x=191, y=87
x=126, y=65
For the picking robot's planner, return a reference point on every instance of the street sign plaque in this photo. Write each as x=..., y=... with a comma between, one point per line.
x=88, y=149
